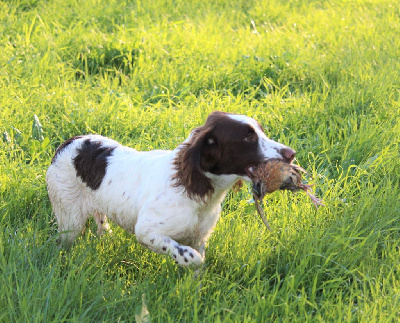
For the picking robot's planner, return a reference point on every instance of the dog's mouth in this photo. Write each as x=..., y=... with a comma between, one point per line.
x=249, y=171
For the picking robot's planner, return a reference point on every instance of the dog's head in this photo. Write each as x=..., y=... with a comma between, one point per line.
x=227, y=144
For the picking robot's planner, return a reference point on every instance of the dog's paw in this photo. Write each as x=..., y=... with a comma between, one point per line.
x=186, y=256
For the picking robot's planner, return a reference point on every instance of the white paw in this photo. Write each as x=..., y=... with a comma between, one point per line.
x=186, y=256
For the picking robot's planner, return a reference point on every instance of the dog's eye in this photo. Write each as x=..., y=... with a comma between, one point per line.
x=251, y=136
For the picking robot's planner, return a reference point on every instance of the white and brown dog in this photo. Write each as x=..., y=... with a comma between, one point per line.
x=172, y=199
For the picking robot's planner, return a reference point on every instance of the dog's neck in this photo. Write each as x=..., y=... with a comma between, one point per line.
x=222, y=184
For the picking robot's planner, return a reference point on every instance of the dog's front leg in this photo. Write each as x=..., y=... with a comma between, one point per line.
x=162, y=244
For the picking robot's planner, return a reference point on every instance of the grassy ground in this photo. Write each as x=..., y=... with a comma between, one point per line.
x=321, y=76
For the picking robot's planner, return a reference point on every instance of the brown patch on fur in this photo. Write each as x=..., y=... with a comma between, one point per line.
x=62, y=146
x=91, y=162
x=194, y=158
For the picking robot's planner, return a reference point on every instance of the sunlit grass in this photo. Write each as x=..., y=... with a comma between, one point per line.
x=321, y=76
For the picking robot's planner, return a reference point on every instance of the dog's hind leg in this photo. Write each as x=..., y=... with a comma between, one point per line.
x=101, y=221
x=70, y=224
x=69, y=209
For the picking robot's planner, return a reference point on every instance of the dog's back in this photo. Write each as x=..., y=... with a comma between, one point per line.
x=92, y=175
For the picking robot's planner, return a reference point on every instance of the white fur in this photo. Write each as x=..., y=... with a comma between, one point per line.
x=137, y=193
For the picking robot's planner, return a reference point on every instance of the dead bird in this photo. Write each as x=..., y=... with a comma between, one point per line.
x=276, y=175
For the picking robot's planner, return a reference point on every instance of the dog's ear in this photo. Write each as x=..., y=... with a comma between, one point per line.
x=195, y=157
x=210, y=152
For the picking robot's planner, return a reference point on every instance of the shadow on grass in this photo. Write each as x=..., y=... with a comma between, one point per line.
x=106, y=59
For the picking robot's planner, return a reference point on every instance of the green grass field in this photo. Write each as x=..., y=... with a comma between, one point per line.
x=321, y=76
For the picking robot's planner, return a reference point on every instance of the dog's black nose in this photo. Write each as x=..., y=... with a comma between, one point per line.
x=288, y=154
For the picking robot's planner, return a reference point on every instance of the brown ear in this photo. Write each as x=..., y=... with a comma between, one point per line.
x=195, y=157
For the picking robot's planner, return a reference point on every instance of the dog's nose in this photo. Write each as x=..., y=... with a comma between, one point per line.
x=288, y=154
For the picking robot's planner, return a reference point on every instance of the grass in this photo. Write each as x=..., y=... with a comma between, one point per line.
x=321, y=76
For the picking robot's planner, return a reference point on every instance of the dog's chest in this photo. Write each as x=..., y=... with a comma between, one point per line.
x=194, y=229
x=207, y=219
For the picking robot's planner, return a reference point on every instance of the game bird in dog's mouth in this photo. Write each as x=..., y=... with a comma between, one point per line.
x=170, y=199
x=274, y=175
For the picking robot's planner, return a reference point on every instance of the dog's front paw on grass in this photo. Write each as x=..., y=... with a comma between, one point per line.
x=187, y=256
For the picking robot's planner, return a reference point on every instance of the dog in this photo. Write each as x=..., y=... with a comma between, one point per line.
x=170, y=199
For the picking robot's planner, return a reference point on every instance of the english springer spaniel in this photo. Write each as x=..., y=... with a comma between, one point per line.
x=170, y=199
